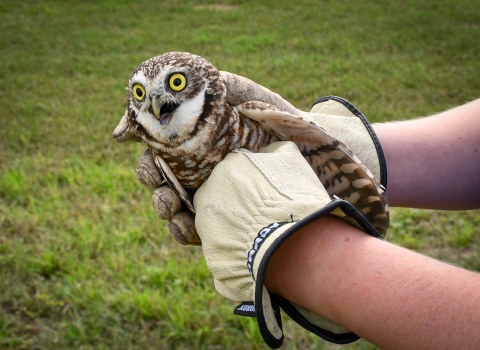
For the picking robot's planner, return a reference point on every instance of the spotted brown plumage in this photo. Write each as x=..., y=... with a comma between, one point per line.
x=189, y=115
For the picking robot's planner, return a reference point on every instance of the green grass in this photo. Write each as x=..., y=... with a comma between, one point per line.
x=84, y=262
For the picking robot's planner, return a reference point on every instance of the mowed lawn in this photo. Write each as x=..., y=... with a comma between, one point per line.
x=84, y=262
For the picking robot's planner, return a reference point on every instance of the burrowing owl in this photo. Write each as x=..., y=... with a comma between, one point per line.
x=191, y=116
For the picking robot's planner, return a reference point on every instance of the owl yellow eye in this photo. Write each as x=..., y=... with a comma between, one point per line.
x=138, y=92
x=177, y=82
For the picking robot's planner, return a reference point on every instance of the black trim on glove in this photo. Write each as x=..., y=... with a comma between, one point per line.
x=368, y=126
x=294, y=314
x=269, y=339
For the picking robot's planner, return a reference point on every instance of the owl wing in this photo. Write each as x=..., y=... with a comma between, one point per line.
x=339, y=170
x=173, y=182
x=241, y=89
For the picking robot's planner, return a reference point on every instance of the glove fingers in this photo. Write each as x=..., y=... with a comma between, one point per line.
x=166, y=202
x=182, y=228
x=147, y=172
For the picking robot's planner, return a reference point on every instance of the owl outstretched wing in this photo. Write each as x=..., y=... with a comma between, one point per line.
x=339, y=170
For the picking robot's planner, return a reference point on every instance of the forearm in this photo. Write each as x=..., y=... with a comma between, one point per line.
x=388, y=295
x=434, y=162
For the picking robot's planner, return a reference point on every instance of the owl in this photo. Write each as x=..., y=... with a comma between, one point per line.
x=191, y=116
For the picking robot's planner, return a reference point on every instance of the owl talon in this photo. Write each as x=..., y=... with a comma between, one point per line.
x=182, y=228
x=147, y=172
x=165, y=202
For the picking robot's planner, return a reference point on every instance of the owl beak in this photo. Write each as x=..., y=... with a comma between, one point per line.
x=163, y=118
x=156, y=106
x=163, y=112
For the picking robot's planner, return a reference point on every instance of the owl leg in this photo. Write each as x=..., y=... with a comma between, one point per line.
x=166, y=203
x=182, y=228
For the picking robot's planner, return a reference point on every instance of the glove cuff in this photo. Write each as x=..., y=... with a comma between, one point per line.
x=267, y=306
x=345, y=122
x=316, y=324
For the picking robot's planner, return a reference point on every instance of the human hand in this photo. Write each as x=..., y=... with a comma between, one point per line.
x=247, y=208
x=345, y=122
x=336, y=115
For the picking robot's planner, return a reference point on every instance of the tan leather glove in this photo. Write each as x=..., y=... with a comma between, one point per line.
x=248, y=207
x=335, y=114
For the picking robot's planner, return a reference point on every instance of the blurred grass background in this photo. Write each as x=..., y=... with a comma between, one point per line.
x=84, y=262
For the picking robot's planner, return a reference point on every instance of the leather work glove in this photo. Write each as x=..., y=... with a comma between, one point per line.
x=247, y=208
x=335, y=114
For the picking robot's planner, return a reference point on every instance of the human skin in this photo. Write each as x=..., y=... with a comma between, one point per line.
x=391, y=296
x=434, y=162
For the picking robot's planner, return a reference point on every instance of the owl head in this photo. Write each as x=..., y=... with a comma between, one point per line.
x=167, y=96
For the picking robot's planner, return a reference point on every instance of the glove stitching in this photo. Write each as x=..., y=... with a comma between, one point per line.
x=258, y=241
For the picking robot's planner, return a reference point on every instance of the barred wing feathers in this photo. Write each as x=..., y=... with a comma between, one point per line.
x=339, y=170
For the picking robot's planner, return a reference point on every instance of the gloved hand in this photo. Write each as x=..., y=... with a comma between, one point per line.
x=335, y=114
x=248, y=207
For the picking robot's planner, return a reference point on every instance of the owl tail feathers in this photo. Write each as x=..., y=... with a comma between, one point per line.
x=124, y=132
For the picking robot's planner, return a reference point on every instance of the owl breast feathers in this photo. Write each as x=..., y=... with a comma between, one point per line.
x=191, y=116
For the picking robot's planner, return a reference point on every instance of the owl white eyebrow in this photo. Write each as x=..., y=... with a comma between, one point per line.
x=135, y=82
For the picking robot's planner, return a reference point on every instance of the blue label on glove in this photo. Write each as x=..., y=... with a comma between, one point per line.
x=245, y=309
x=262, y=235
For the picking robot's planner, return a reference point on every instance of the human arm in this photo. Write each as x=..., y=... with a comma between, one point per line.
x=389, y=295
x=434, y=162
x=393, y=297
x=256, y=209
x=370, y=314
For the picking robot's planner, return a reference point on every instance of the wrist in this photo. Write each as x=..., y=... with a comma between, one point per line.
x=382, y=292
x=309, y=258
x=294, y=274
